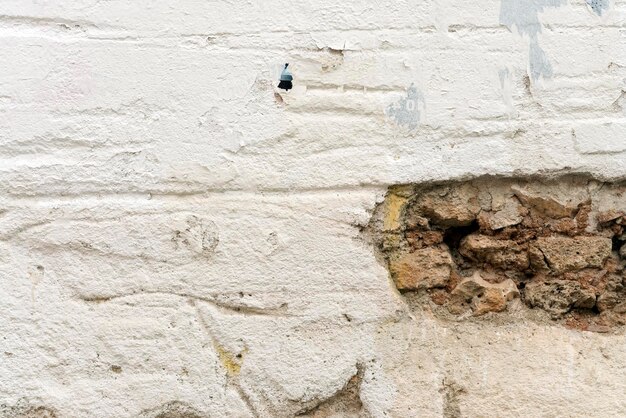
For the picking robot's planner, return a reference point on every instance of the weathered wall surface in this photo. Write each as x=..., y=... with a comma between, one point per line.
x=178, y=238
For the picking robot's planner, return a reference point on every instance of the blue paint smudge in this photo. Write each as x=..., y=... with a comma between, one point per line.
x=524, y=15
x=539, y=64
x=599, y=6
x=504, y=75
x=407, y=111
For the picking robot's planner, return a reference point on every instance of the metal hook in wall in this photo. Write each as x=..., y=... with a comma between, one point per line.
x=286, y=79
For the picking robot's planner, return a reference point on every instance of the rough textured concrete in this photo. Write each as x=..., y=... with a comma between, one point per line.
x=179, y=238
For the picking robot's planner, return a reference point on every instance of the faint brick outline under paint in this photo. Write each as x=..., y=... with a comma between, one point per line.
x=406, y=111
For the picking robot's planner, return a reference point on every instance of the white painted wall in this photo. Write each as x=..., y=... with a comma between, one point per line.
x=152, y=184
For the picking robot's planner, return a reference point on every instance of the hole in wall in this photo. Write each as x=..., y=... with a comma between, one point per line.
x=474, y=248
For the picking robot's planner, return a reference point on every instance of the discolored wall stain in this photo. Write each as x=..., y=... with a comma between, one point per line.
x=524, y=15
x=407, y=111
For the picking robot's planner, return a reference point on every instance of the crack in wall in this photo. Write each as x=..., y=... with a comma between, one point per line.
x=280, y=310
x=451, y=391
x=230, y=363
x=346, y=402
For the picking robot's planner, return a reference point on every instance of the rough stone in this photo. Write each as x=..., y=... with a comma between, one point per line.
x=491, y=300
x=508, y=213
x=422, y=269
x=454, y=206
x=548, y=242
x=481, y=296
x=504, y=254
x=559, y=296
x=608, y=300
x=608, y=216
x=566, y=254
x=548, y=204
x=537, y=259
x=621, y=308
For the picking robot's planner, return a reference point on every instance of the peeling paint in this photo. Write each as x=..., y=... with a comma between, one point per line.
x=408, y=111
x=599, y=7
x=524, y=15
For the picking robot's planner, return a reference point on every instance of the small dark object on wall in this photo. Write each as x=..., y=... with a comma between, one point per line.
x=285, y=79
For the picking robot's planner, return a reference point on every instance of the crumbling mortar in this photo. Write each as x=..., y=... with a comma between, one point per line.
x=576, y=289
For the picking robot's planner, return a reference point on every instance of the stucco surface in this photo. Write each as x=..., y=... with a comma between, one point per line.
x=177, y=234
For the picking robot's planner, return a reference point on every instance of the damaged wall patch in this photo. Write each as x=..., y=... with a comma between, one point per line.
x=472, y=248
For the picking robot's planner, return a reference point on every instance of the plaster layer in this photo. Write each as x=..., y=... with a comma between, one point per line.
x=178, y=238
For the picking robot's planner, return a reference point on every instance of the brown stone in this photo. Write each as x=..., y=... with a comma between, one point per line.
x=559, y=296
x=566, y=254
x=414, y=221
x=432, y=237
x=422, y=269
x=582, y=217
x=537, y=259
x=608, y=300
x=439, y=296
x=22, y=410
x=505, y=254
x=507, y=214
x=452, y=206
x=551, y=205
x=563, y=240
x=621, y=308
x=609, y=216
x=598, y=328
x=481, y=296
x=491, y=301
x=566, y=226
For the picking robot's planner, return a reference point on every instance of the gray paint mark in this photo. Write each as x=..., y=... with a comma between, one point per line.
x=599, y=6
x=539, y=64
x=524, y=15
x=507, y=89
x=504, y=75
x=407, y=111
